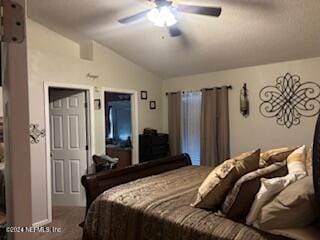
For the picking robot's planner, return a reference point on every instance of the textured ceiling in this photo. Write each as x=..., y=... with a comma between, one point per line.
x=249, y=32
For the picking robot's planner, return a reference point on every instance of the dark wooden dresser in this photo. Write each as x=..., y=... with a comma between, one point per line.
x=153, y=147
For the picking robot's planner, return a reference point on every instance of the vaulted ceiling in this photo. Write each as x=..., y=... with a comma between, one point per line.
x=248, y=32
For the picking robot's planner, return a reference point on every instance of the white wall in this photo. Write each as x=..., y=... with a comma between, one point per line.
x=254, y=131
x=53, y=58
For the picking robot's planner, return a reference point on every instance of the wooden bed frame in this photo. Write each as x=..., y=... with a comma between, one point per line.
x=95, y=184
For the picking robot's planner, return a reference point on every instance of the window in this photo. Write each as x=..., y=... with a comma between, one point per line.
x=191, y=117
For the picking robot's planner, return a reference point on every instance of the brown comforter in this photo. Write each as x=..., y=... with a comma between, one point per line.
x=158, y=208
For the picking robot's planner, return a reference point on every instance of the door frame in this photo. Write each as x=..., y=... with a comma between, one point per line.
x=16, y=135
x=134, y=117
x=90, y=127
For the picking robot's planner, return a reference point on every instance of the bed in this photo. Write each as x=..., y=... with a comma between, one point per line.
x=151, y=201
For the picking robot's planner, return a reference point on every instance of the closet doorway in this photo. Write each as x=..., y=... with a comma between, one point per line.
x=70, y=142
x=69, y=145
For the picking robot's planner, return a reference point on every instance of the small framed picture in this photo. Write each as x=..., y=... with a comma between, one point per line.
x=97, y=104
x=153, y=105
x=144, y=95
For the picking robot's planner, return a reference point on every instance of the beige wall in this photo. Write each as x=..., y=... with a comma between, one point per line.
x=53, y=58
x=254, y=131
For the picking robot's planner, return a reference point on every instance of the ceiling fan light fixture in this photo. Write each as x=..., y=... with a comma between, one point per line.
x=168, y=16
x=162, y=17
x=154, y=16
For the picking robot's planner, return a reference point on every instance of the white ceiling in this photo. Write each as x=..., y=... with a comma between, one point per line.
x=249, y=32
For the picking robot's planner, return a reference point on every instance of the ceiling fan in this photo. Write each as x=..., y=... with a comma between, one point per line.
x=165, y=11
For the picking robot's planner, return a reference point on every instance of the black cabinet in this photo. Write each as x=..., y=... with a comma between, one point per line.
x=153, y=146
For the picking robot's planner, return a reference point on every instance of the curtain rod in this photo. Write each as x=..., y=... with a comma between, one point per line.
x=207, y=89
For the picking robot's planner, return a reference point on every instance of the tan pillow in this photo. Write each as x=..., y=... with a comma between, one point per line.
x=294, y=207
x=309, y=161
x=273, y=186
x=217, y=184
x=296, y=161
x=238, y=202
x=274, y=155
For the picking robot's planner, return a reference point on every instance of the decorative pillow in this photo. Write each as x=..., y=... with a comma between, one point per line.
x=294, y=207
x=309, y=162
x=238, y=202
x=217, y=184
x=274, y=155
x=296, y=161
x=271, y=187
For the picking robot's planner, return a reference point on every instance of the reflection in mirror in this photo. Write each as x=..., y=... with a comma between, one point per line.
x=118, y=125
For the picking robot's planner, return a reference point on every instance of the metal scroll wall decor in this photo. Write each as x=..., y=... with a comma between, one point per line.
x=36, y=133
x=289, y=100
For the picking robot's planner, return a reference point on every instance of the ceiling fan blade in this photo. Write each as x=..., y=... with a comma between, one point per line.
x=134, y=18
x=175, y=31
x=209, y=11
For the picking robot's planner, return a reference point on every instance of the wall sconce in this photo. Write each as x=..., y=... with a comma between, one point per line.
x=244, y=101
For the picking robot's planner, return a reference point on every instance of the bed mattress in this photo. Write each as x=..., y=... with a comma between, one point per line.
x=158, y=208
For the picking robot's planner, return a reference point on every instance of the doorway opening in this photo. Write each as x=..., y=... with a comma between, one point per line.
x=69, y=145
x=120, y=114
x=118, y=125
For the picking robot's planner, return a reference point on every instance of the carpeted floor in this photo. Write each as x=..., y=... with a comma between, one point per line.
x=66, y=218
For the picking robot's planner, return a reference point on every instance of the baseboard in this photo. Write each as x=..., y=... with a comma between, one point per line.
x=41, y=223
